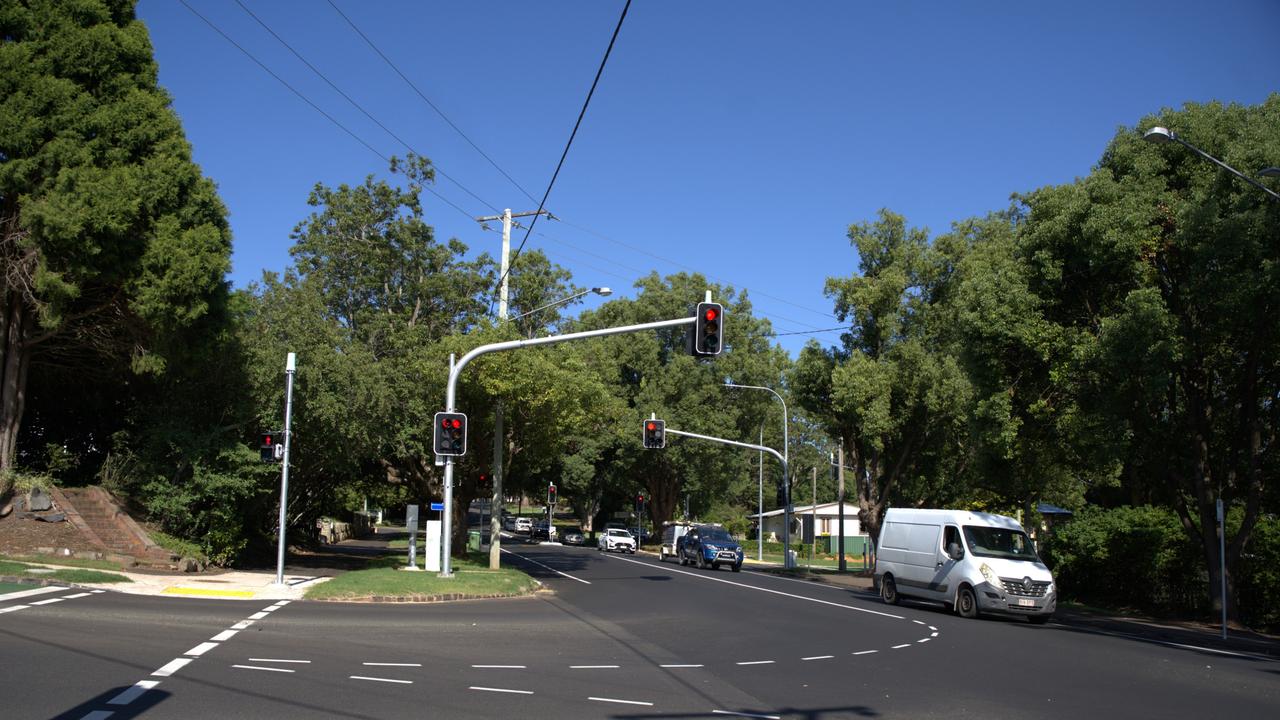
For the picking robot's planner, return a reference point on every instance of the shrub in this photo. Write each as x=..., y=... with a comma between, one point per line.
x=1257, y=575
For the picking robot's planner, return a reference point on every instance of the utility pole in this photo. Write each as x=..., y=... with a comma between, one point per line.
x=495, y=518
x=290, y=367
x=840, y=499
x=813, y=517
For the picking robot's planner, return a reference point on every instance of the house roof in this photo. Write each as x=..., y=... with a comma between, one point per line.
x=1045, y=508
x=830, y=509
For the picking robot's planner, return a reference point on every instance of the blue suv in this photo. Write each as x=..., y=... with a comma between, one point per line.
x=709, y=545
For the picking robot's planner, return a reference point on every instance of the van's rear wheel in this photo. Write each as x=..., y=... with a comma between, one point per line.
x=966, y=603
x=888, y=590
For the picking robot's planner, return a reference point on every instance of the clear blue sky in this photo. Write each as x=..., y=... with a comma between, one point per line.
x=739, y=139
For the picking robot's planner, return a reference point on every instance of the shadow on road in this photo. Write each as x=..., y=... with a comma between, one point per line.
x=790, y=713
x=147, y=700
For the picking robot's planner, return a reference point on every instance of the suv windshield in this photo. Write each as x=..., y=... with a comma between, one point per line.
x=999, y=543
x=717, y=534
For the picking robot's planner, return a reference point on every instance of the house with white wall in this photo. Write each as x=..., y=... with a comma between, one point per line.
x=826, y=520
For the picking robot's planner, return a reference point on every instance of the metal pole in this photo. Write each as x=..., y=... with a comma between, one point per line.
x=446, y=526
x=290, y=367
x=1222, y=563
x=813, y=517
x=840, y=499
x=1224, y=166
x=760, y=505
x=786, y=454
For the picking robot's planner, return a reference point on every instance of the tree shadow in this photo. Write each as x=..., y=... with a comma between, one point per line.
x=100, y=705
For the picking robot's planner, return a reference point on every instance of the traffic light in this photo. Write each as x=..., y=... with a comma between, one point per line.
x=655, y=434
x=784, y=496
x=708, y=331
x=451, y=433
x=551, y=494
x=267, y=446
x=639, y=504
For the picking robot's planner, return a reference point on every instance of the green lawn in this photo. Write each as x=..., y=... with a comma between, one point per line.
x=68, y=575
x=803, y=561
x=65, y=561
x=385, y=579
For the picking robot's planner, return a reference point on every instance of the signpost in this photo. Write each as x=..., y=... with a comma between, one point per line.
x=411, y=519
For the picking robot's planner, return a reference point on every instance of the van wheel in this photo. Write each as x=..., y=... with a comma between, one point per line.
x=1039, y=619
x=966, y=603
x=888, y=590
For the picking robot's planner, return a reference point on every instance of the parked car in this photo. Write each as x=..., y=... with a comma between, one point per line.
x=509, y=523
x=617, y=539
x=523, y=524
x=540, y=529
x=710, y=546
x=974, y=562
x=574, y=536
x=641, y=535
x=672, y=534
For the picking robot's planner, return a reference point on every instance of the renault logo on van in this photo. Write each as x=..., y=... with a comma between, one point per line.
x=1026, y=582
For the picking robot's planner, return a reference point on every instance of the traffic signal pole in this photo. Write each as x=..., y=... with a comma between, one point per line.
x=290, y=367
x=451, y=397
x=786, y=512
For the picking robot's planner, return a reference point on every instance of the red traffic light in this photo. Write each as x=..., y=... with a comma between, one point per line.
x=710, y=314
x=651, y=425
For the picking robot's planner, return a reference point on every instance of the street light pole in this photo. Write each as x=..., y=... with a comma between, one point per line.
x=786, y=479
x=1161, y=135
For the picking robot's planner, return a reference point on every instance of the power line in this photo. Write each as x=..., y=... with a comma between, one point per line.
x=426, y=100
x=359, y=107
x=307, y=100
x=572, y=135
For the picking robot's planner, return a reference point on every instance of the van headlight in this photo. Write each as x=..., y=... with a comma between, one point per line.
x=990, y=576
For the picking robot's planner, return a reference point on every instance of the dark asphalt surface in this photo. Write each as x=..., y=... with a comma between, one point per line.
x=618, y=636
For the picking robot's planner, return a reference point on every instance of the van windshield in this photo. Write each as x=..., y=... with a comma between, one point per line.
x=999, y=543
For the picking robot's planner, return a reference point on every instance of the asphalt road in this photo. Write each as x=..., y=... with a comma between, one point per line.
x=619, y=636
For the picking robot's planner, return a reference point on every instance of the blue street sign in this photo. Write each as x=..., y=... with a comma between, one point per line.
x=437, y=506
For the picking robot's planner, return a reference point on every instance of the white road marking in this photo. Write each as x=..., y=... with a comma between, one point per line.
x=304, y=662
x=34, y=591
x=760, y=589
x=500, y=667
x=819, y=657
x=258, y=616
x=268, y=669
x=932, y=627
x=1127, y=636
x=535, y=562
x=921, y=640
x=242, y=625
x=680, y=666
x=13, y=608
x=501, y=690
x=623, y=702
x=593, y=667
x=866, y=652
x=133, y=693
x=899, y=647
x=746, y=715
x=96, y=592
x=756, y=662
x=224, y=636
x=201, y=649
x=393, y=664
x=933, y=634
x=98, y=715
x=172, y=667
x=77, y=595
x=49, y=601
x=386, y=680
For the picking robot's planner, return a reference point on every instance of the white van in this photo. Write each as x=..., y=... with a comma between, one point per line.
x=975, y=562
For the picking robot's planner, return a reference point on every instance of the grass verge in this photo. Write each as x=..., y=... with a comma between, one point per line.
x=69, y=575
x=384, y=580
x=65, y=561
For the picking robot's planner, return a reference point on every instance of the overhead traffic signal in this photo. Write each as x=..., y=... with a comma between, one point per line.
x=708, y=330
x=267, y=442
x=451, y=433
x=551, y=494
x=655, y=434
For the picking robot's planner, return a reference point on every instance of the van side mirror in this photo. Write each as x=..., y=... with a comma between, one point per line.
x=954, y=551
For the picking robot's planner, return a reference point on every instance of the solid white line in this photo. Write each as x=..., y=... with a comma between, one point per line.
x=388, y=680
x=172, y=667
x=746, y=715
x=257, y=616
x=753, y=587
x=535, y=562
x=393, y=664
x=819, y=657
x=34, y=591
x=77, y=595
x=681, y=666
x=133, y=693
x=500, y=667
x=305, y=662
x=592, y=667
x=623, y=702
x=866, y=652
x=501, y=690
x=1174, y=644
x=756, y=662
x=242, y=625
x=224, y=636
x=49, y=601
x=255, y=667
x=201, y=649
x=13, y=608
x=899, y=647
x=98, y=715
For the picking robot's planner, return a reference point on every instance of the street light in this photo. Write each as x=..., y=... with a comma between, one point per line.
x=601, y=291
x=786, y=514
x=1161, y=135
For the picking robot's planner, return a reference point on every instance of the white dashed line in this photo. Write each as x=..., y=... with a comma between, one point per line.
x=377, y=679
x=172, y=667
x=201, y=649
x=746, y=715
x=33, y=591
x=49, y=601
x=267, y=669
x=933, y=634
x=224, y=636
x=242, y=625
x=13, y=608
x=258, y=615
x=918, y=622
x=392, y=664
x=77, y=595
x=304, y=662
x=96, y=592
x=899, y=647
x=932, y=627
x=756, y=662
x=866, y=652
x=924, y=640
x=133, y=693
x=593, y=667
x=621, y=702
x=681, y=666
x=819, y=657
x=500, y=690
x=499, y=667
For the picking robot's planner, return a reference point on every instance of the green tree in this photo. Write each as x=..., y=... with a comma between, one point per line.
x=114, y=246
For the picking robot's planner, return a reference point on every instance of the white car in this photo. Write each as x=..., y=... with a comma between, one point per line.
x=523, y=524
x=617, y=539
